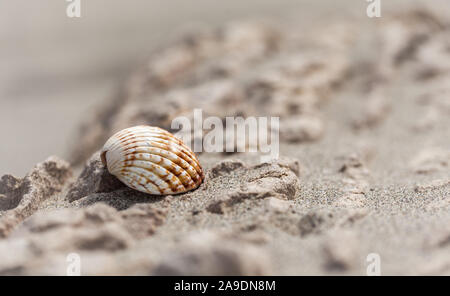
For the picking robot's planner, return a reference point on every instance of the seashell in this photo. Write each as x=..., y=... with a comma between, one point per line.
x=152, y=160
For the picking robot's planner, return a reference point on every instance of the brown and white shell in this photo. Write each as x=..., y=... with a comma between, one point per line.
x=152, y=160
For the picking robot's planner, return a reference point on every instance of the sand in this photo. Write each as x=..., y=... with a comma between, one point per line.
x=364, y=163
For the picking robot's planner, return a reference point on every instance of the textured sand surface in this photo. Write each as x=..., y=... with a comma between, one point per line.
x=55, y=69
x=364, y=161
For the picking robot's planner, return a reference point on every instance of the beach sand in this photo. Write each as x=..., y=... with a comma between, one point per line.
x=364, y=166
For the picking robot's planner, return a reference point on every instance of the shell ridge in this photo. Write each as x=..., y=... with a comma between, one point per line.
x=173, y=168
x=166, y=139
x=169, y=175
x=142, y=175
x=188, y=158
x=154, y=189
x=184, y=164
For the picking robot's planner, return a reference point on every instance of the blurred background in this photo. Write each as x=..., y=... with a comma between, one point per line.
x=55, y=69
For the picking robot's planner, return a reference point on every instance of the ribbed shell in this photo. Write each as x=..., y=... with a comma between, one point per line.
x=152, y=160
